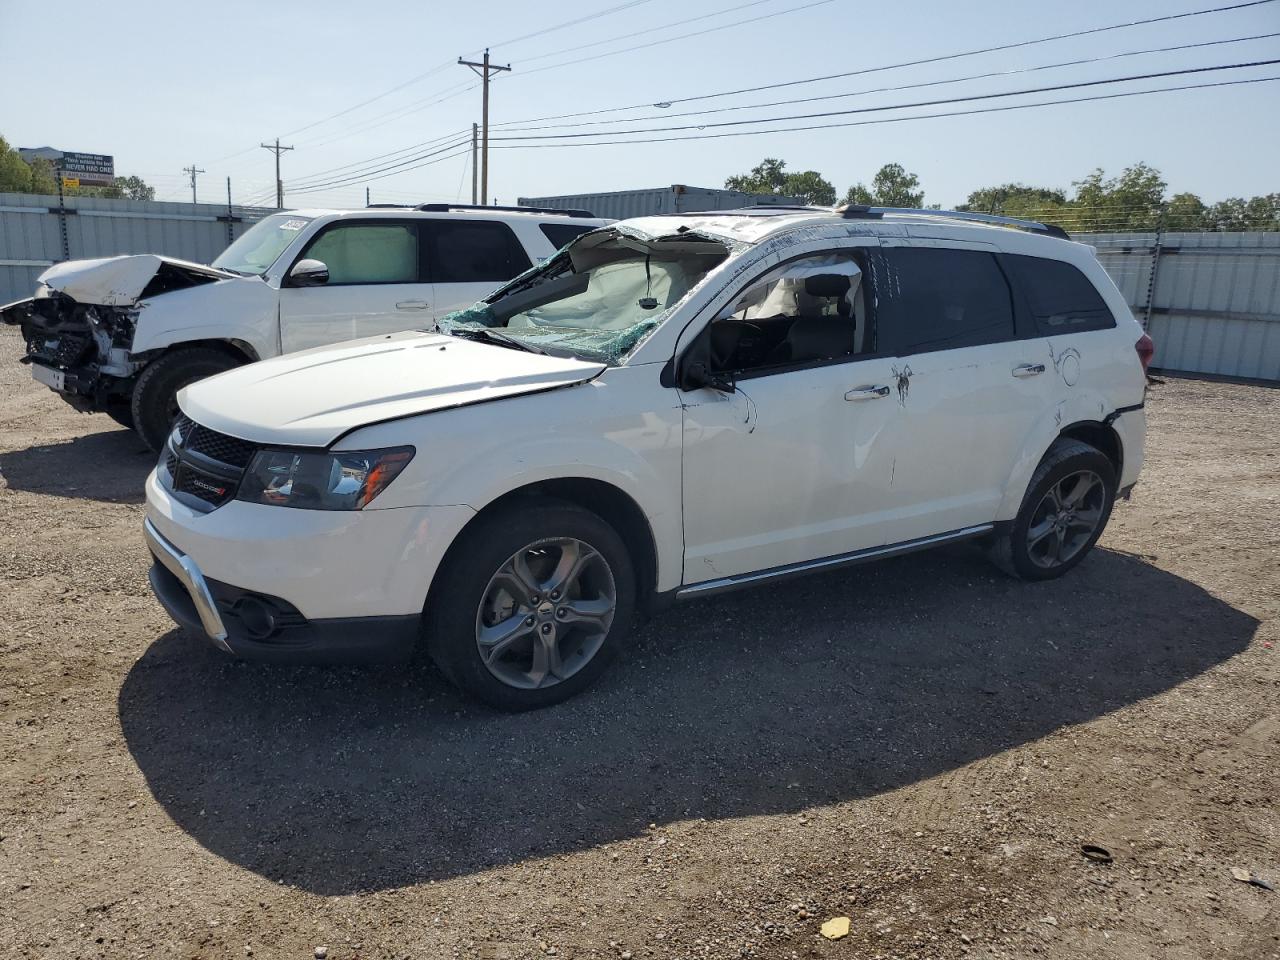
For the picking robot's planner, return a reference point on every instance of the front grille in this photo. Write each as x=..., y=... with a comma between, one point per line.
x=220, y=447
x=204, y=467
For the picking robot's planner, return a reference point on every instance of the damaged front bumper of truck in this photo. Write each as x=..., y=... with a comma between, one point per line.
x=79, y=326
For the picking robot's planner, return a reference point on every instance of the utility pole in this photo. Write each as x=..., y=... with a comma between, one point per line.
x=366, y=197
x=277, y=150
x=484, y=70
x=475, y=169
x=193, y=170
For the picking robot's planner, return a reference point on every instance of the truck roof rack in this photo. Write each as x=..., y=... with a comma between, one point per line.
x=447, y=207
x=857, y=211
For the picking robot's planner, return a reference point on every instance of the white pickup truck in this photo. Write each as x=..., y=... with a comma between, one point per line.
x=123, y=335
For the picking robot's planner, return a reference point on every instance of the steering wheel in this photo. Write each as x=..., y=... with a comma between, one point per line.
x=730, y=340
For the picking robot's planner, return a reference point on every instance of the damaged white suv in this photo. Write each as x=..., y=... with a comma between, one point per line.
x=123, y=335
x=670, y=407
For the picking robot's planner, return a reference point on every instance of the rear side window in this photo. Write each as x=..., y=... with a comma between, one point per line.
x=561, y=233
x=475, y=251
x=934, y=298
x=367, y=253
x=1060, y=297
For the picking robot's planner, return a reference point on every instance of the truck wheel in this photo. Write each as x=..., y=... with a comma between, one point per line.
x=155, y=396
x=1064, y=512
x=532, y=606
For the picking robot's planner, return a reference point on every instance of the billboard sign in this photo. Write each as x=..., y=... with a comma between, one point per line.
x=92, y=169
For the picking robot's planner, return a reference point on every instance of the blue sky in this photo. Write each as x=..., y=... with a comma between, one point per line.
x=163, y=85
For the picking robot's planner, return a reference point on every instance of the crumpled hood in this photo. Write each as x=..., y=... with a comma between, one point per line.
x=121, y=281
x=313, y=397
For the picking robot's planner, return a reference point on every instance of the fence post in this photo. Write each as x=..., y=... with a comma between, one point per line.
x=1155, y=267
x=62, y=221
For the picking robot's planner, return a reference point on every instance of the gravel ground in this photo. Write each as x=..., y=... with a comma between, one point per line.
x=921, y=745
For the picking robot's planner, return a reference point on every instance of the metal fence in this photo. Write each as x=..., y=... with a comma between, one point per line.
x=37, y=231
x=1211, y=301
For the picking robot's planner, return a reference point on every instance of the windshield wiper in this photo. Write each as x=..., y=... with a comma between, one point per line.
x=489, y=335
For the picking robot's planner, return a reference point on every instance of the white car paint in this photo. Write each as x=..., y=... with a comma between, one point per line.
x=784, y=470
x=115, y=281
x=366, y=381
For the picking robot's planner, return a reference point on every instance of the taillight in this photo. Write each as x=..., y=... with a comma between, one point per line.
x=1146, y=348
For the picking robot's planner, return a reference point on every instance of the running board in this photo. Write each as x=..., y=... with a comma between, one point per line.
x=711, y=587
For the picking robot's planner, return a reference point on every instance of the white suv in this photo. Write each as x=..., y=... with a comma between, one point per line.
x=124, y=334
x=669, y=408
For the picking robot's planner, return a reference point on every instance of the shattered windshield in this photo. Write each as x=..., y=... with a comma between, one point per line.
x=598, y=298
x=259, y=247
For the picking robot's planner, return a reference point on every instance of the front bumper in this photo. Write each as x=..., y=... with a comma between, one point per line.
x=259, y=627
x=269, y=582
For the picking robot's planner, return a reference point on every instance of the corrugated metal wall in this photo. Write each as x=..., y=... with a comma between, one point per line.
x=1214, y=306
x=34, y=233
x=677, y=198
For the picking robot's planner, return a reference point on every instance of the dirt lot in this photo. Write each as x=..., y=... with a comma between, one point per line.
x=921, y=745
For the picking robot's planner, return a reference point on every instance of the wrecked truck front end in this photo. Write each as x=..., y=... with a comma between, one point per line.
x=79, y=326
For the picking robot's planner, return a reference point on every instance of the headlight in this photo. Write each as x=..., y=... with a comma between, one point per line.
x=321, y=481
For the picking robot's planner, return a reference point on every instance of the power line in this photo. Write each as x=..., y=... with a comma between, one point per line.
x=466, y=149
x=867, y=123
x=905, y=106
x=683, y=36
x=440, y=68
x=193, y=170
x=906, y=63
x=383, y=156
x=277, y=150
x=640, y=33
x=376, y=174
x=900, y=87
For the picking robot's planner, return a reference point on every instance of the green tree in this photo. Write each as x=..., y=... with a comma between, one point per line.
x=44, y=179
x=1131, y=201
x=892, y=186
x=15, y=175
x=1017, y=200
x=1185, y=211
x=771, y=176
x=124, y=188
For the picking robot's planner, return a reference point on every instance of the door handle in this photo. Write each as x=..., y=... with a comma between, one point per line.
x=867, y=393
x=1028, y=369
x=412, y=305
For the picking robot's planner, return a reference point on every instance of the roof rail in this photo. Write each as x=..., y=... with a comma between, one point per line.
x=447, y=207
x=859, y=211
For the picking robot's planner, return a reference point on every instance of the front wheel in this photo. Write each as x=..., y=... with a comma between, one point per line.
x=154, y=404
x=1064, y=512
x=532, y=606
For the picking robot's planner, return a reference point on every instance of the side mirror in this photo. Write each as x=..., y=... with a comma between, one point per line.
x=697, y=375
x=309, y=273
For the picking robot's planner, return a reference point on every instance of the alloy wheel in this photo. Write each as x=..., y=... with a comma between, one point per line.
x=1066, y=518
x=545, y=613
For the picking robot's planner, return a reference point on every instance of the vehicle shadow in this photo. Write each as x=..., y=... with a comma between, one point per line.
x=111, y=465
x=770, y=701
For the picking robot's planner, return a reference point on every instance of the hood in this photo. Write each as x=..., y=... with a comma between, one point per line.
x=311, y=398
x=123, y=281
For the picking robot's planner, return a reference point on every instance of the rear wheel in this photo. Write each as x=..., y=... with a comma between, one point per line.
x=532, y=606
x=1064, y=512
x=155, y=396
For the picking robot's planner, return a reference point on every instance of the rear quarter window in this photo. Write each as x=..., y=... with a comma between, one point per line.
x=475, y=251
x=561, y=233
x=940, y=298
x=1059, y=297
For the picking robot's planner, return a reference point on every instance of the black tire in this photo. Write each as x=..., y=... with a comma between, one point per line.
x=1012, y=551
x=154, y=403
x=120, y=412
x=450, y=624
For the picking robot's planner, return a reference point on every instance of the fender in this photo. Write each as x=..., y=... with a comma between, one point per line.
x=242, y=309
x=473, y=456
x=1083, y=406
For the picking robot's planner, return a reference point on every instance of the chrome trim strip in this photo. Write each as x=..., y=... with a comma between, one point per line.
x=185, y=569
x=710, y=587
